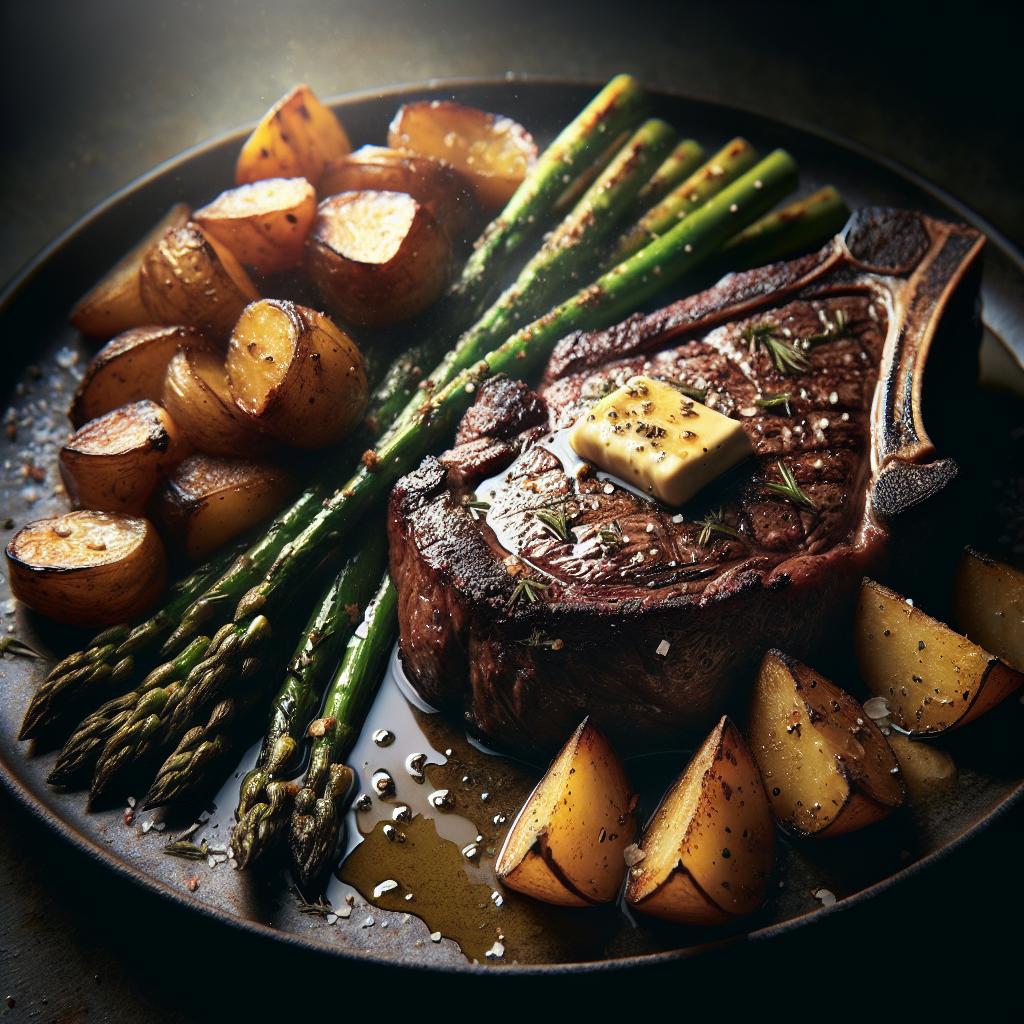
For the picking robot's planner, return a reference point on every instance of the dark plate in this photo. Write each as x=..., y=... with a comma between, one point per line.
x=47, y=353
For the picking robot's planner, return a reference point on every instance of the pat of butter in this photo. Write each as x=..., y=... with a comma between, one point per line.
x=651, y=435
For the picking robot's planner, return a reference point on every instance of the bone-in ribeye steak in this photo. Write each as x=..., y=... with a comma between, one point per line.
x=638, y=619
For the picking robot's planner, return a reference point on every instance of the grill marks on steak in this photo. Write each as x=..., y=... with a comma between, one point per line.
x=634, y=574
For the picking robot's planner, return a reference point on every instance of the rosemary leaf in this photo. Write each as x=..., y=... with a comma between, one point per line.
x=187, y=851
x=789, y=488
x=527, y=589
x=555, y=520
x=776, y=401
x=714, y=522
x=18, y=648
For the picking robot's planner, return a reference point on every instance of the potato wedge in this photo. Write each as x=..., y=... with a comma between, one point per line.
x=825, y=765
x=114, y=462
x=932, y=678
x=87, y=568
x=493, y=152
x=189, y=278
x=435, y=184
x=988, y=606
x=115, y=303
x=377, y=258
x=295, y=139
x=295, y=374
x=128, y=368
x=207, y=501
x=566, y=844
x=263, y=224
x=927, y=771
x=197, y=396
x=708, y=849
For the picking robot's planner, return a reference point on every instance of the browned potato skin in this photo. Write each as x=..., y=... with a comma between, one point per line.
x=127, y=369
x=188, y=278
x=208, y=501
x=840, y=754
x=115, y=462
x=295, y=139
x=370, y=293
x=263, y=224
x=462, y=136
x=115, y=303
x=87, y=568
x=321, y=394
x=197, y=395
x=435, y=184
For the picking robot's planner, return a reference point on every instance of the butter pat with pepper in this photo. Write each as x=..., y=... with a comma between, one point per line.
x=655, y=437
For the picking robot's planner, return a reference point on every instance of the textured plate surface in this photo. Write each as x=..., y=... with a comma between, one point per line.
x=48, y=355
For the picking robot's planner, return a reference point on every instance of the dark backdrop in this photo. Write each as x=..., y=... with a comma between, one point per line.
x=95, y=93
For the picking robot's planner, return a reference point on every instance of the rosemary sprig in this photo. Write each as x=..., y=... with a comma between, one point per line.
x=787, y=356
x=12, y=645
x=697, y=394
x=556, y=520
x=833, y=328
x=789, y=488
x=187, y=851
x=714, y=522
x=538, y=638
x=321, y=908
x=476, y=506
x=610, y=534
x=527, y=589
x=776, y=401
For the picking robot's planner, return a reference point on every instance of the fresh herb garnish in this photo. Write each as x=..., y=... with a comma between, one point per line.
x=787, y=356
x=321, y=908
x=780, y=400
x=833, y=328
x=556, y=520
x=697, y=394
x=714, y=522
x=538, y=638
x=610, y=534
x=789, y=488
x=527, y=589
x=476, y=506
x=12, y=645
x=187, y=850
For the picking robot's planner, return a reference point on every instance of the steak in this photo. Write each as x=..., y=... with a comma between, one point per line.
x=642, y=616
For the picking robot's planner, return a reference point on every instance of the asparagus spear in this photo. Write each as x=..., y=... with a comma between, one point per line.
x=263, y=801
x=708, y=180
x=676, y=168
x=655, y=267
x=316, y=822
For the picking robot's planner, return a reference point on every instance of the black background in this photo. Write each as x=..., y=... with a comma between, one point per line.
x=97, y=93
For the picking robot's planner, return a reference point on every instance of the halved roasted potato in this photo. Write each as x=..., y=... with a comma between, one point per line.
x=707, y=852
x=493, y=152
x=566, y=844
x=296, y=374
x=988, y=605
x=263, y=224
x=932, y=678
x=927, y=771
x=88, y=568
x=115, y=303
x=128, y=368
x=207, y=501
x=197, y=395
x=189, y=278
x=295, y=139
x=114, y=462
x=377, y=257
x=826, y=766
x=435, y=184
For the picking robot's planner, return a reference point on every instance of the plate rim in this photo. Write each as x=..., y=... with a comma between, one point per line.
x=89, y=846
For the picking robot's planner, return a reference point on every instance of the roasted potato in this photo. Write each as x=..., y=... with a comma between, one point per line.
x=264, y=224
x=932, y=678
x=988, y=605
x=128, y=368
x=707, y=852
x=295, y=374
x=566, y=844
x=295, y=139
x=377, y=257
x=115, y=303
x=927, y=771
x=826, y=766
x=207, y=501
x=493, y=152
x=189, y=278
x=197, y=396
x=435, y=184
x=88, y=568
x=114, y=462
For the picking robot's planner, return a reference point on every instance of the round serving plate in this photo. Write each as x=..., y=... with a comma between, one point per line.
x=48, y=355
